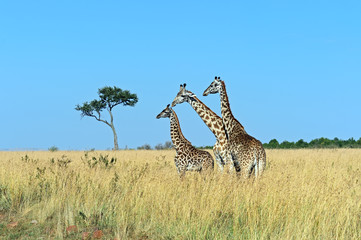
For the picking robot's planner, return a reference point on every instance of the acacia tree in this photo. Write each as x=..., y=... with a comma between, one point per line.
x=109, y=98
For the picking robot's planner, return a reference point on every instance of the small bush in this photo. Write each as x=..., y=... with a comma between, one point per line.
x=27, y=159
x=102, y=160
x=145, y=147
x=53, y=149
x=61, y=162
x=166, y=145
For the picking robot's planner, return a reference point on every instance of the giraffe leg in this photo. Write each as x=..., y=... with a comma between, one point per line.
x=242, y=163
x=246, y=171
x=181, y=171
x=218, y=156
x=231, y=167
x=181, y=168
x=252, y=163
x=219, y=162
x=227, y=161
x=235, y=162
x=208, y=162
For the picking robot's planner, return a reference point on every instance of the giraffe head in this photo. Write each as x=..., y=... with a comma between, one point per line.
x=215, y=87
x=183, y=95
x=166, y=113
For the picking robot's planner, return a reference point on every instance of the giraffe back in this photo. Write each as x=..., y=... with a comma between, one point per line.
x=192, y=159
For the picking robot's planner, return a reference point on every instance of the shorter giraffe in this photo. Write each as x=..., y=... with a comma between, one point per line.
x=188, y=158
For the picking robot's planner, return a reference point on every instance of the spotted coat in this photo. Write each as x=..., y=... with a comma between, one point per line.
x=188, y=158
x=247, y=152
x=214, y=123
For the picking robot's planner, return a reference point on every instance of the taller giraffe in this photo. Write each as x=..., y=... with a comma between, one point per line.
x=245, y=149
x=187, y=158
x=214, y=123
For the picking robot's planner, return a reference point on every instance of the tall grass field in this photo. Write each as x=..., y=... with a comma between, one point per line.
x=303, y=194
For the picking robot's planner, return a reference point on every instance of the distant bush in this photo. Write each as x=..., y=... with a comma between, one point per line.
x=144, y=147
x=166, y=145
x=53, y=149
x=205, y=147
x=315, y=143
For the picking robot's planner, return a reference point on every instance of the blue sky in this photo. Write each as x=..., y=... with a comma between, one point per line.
x=292, y=68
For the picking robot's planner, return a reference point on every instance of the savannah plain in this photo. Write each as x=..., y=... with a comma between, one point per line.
x=137, y=194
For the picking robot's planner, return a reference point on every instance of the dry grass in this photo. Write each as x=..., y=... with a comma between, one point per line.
x=303, y=194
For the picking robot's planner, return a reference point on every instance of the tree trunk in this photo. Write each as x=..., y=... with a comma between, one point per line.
x=116, y=147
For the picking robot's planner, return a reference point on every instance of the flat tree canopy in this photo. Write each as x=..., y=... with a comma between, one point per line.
x=109, y=97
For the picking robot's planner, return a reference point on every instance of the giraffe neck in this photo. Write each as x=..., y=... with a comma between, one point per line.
x=231, y=124
x=211, y=119
x=179, y=141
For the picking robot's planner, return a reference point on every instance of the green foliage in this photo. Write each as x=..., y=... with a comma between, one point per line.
x=113, y=96
x=88, y=109
x=273, y=143
x=205, y=147
x=287, y=144
x=315, y=143
x=53, y=149
x=144, y=147
x=301, y=144
x=109, y=98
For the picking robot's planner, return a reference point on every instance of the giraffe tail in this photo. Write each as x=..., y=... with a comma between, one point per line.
x=261, y=162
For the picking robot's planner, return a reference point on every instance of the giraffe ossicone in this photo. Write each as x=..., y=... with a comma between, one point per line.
x=246, y=151
x=214, y=123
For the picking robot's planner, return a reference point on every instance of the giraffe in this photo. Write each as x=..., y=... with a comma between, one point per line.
x=214, y=123
x=187, y=157
x=245, y=149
